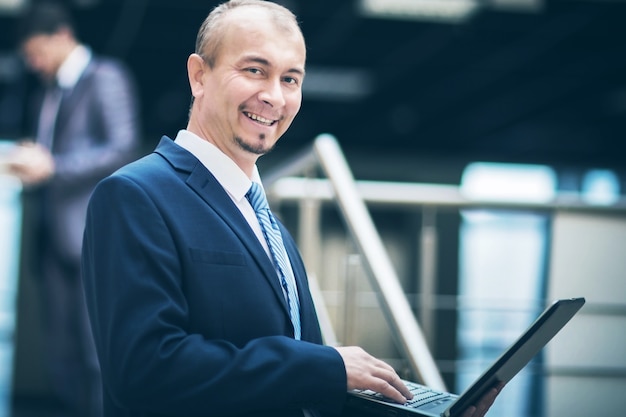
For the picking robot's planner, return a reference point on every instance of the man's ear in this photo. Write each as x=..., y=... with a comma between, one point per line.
x=195, y=71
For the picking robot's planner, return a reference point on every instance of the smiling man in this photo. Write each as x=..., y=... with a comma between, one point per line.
x=198, y=297
x=247, y=85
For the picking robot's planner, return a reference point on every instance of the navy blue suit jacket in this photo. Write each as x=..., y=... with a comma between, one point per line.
x=187, y=312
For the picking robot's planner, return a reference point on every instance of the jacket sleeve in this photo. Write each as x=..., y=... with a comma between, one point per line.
x=139, y=312
x=105, y=128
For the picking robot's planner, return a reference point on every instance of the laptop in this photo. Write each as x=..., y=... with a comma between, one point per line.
x=432, y=403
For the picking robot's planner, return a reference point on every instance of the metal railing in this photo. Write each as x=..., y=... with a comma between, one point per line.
x=294, y=182
x=384, y=280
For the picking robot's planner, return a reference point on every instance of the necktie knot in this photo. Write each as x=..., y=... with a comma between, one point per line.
x=257, y=198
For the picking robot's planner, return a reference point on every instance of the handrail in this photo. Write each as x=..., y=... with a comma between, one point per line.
x=435, y=195
x=301, y=182
x=383, y=277
x=351, y=195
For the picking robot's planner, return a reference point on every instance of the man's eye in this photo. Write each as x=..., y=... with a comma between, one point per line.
x=254, y=70
x=291, y=80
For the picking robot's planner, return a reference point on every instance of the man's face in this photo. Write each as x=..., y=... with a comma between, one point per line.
x=45, y=53
x=254, y=91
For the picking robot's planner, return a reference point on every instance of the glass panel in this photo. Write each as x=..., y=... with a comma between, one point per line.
x=10, y=227
x=502, y=264
x=600, y=187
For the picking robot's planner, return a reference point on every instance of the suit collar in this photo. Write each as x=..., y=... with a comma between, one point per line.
x=222, y=167
x=73, y=67
x=178, y=157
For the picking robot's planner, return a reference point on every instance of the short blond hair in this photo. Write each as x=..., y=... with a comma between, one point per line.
x=211, y=32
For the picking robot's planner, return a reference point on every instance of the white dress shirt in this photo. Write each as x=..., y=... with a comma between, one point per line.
x=73, y=67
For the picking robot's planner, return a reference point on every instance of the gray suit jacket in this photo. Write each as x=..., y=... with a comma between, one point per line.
x=96, y=132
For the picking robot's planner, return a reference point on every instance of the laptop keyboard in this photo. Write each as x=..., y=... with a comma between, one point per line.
x=421, y=395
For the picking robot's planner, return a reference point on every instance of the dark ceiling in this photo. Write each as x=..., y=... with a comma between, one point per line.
x=547, y=86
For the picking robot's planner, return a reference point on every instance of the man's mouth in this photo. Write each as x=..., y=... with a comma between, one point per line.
x=259, y=119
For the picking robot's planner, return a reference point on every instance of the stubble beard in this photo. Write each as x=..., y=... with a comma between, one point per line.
x=257, y=150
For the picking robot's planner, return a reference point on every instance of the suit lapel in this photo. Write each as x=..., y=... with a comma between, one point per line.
x=69, y=101
x=210, y=190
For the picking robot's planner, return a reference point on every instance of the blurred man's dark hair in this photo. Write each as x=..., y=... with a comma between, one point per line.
x=43, y=18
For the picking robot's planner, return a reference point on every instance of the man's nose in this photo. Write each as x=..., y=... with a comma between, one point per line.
x=272, y=93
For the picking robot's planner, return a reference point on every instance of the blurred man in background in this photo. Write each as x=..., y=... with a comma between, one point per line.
x=85, y=125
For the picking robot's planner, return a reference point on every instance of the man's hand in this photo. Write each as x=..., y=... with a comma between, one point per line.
x=366, y=372
x=31, y=163
x=481, y=408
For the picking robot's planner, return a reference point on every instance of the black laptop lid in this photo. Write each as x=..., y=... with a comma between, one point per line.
x=521, y=352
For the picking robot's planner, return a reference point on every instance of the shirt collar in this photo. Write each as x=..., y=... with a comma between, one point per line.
x=228, y=174
x=73, y=67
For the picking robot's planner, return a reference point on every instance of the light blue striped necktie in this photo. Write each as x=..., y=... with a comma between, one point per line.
x=274, y=240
